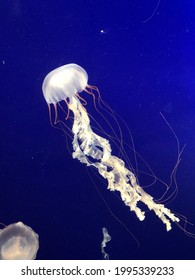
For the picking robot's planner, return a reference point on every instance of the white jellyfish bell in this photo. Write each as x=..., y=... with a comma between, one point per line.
x=18, y=242
x=64, y=84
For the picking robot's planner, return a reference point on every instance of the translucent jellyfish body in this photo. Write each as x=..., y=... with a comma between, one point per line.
x=64, y=84
x=18, y=242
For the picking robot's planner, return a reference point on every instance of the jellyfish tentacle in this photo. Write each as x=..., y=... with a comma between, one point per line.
x=94, y=150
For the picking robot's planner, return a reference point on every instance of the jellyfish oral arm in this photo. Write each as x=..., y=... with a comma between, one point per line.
x=94, y=150
x=106, y=239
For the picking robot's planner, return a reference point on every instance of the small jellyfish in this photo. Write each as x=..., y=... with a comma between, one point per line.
x=18, y=242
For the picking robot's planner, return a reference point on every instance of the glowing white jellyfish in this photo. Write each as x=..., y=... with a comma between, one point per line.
x=18, y=242
x=64, y=84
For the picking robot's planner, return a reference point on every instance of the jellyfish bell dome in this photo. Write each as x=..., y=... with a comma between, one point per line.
x=18, y=242
x=64, y=82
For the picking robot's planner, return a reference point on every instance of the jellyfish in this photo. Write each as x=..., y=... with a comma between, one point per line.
x=18, y=242
x=65, y=84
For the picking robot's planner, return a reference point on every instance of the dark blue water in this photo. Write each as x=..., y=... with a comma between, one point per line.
x=142, y=66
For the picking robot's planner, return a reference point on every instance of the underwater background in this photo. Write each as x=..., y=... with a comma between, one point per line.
x=141, y=55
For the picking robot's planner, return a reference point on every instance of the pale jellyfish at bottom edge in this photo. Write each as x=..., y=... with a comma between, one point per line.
x=18, y=242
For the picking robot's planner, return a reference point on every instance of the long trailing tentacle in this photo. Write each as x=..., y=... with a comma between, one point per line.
x=94, y=150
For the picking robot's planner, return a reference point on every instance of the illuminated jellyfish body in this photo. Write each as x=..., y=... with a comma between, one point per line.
x=18, y=242
x=64, y=84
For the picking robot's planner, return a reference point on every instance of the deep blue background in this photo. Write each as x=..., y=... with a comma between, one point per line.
x=142, y=67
